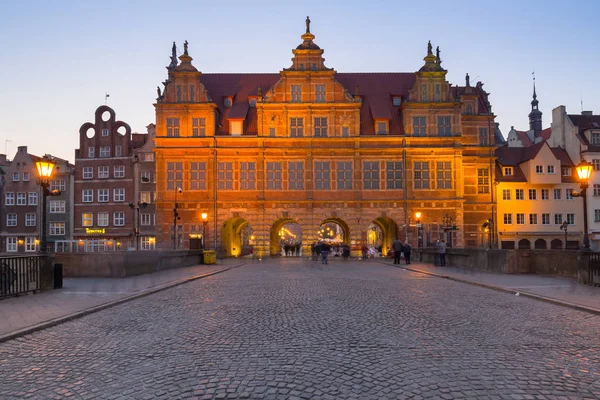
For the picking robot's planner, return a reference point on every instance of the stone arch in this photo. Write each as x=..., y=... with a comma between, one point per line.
x=524, y=244
x=540, y=244
x=556, y=244
x=389, y=230
x=342, y=224
x=231, y=236
x=274, y=233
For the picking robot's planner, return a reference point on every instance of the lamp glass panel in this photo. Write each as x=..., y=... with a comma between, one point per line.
x=44, y=168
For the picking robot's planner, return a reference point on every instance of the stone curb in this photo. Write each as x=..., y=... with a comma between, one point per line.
x=79, y=314
x=534, y=296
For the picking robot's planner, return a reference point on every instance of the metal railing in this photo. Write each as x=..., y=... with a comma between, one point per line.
x=20, y=275
x=593, y=270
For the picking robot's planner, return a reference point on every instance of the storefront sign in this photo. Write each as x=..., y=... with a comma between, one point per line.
x=91, y=230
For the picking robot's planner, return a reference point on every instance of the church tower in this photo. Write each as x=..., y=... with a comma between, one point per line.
x=535, y=116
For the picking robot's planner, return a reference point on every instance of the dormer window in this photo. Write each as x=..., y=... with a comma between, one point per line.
x=382, y=127
x=595, y=137
x=235, y=127
x=397, y=101
x=469, y=109
x=228, y=102
x=566, y=171
x=508, y=171
x=252, y=102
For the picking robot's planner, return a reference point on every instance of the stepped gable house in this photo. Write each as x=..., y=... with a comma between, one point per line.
x=312, y=145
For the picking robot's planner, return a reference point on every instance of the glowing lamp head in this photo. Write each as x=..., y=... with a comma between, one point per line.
x=584, y=171
x=45, y=168
x=418, y=214
x=204, y=216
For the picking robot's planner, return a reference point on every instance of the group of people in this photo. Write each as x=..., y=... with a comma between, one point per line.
x=322, y=249
x=400, y=248
x=291, y=249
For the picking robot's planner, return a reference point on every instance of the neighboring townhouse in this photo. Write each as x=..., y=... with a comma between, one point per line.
x=144, y=188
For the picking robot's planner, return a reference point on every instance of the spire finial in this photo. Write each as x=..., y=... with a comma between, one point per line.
x=173, y=63
x=307, y=24
x=185, y=48
x=468, y=80
x=437, y=55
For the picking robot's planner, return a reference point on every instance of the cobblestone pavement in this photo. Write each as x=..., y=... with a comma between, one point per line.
x=292, y=329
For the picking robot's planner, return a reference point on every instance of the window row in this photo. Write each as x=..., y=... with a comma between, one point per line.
x=20, y=199
x=118, y=218
x=539, y=169
x=25, y=175
x=12, y=219
x=12, y=244
x=105, y=151
x=532, y=194
x=533, y=219
x=104, y=172
x=103, y=195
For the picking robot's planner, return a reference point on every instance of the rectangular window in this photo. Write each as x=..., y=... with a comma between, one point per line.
x=198, y=127
x=296, y=93
x=11, y=244
x=57, y=228
x=296, y=175
x=9, y=199
x=483, y=180
x=539, y=169
x=272, y=132
x=236, y=127
x=11, y=219
x=88, y=172
x=382, y=128
x=21, y=199
x=596, y=164
x=320, y=126
x=174, y=175
x=149, y=157
x=545, y=219
x=508, y=171
x=58, y=206
x=247, y=175
x=119, y=194
x=91, y=152
x=274, y=175
x=557, y=193
x=571, y=219
x=104, y=132
x=545, y=194
x=568, y=194
x=87, y=219
x=394, y=174
x=532, y=219
x=225, y=175
x=320, y=93
x=33, y=199
x=173, y=127
x=103, y=219
x=29, y=219
x=483, y=137
x=30, y=245
x=58, y=184
x=179, y=93
x=103, y=172
x=550, y=169
x=420, y=126
x=145, y=176
x=104, y=151
x=147, y=242
x=192, y=93
x=118, y=150
x=520, y=194
x=565, y=171
x=595, y=138
x=344, y=175
x=507, y=219
x=558, y=219
x=371, y=175
x=444, y=127
x=444, y=175
x=87, y=195
x=596, y=189
x=25, y=176
x=119, y=171
x=103, y=196
x=145, y=219
x=145, y=197
x=505, y=194
x=119, y=218
x=596, y=215
x=520, y=219
x=345, y=131
x=15, y=177
x=296, y=127
x=421, y=174
x=322, y=175
x=198, y=175
x=532, y=194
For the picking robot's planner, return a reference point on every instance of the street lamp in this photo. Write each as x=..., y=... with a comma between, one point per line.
x=565, y=226
x=488, y=226
x=204, y=223
x=176, y=217
x=136, y=229
x=45, y=168
x=419, y=238
x=584, y=172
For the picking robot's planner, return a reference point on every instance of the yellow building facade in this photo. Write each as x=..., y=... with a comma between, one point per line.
x=312, y=146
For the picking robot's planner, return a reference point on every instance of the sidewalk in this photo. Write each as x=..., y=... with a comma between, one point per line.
x=81, y=295
x=564, y=291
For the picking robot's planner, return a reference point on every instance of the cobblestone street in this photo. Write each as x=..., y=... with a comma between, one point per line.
x=292, y=329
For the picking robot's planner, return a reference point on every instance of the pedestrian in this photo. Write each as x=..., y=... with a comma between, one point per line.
x=397, y=247
x=324, y=253
x=436, y=257
x=407, y=250
x=365, y=252
x=317, y=251
x=442, y=252
x=345, y=251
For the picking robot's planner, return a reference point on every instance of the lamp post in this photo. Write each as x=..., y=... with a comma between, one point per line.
x=175, y=218
x=136, y=228
x=204, y=223
x=564, y=226
x=584, y=172
x=419, y=238
x=45, y=168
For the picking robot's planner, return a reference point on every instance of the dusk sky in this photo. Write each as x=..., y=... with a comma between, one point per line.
x=60, y=57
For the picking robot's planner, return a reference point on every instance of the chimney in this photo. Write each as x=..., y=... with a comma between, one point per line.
x=589, y=113
x=3, y=159
x=22, y=149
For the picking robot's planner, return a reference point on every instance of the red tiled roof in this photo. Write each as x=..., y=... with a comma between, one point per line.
x=517, y=176
x=562, y=156
x=524, y=138
x=544, y=133
x=239, y=110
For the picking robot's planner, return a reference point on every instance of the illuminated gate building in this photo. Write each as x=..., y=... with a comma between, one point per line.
x=312, y=146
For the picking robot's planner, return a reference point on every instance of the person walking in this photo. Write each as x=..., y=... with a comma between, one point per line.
x=318, y=247
x=397, y=247
x=442, y=252
x=407, y=250
x=324, y=252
